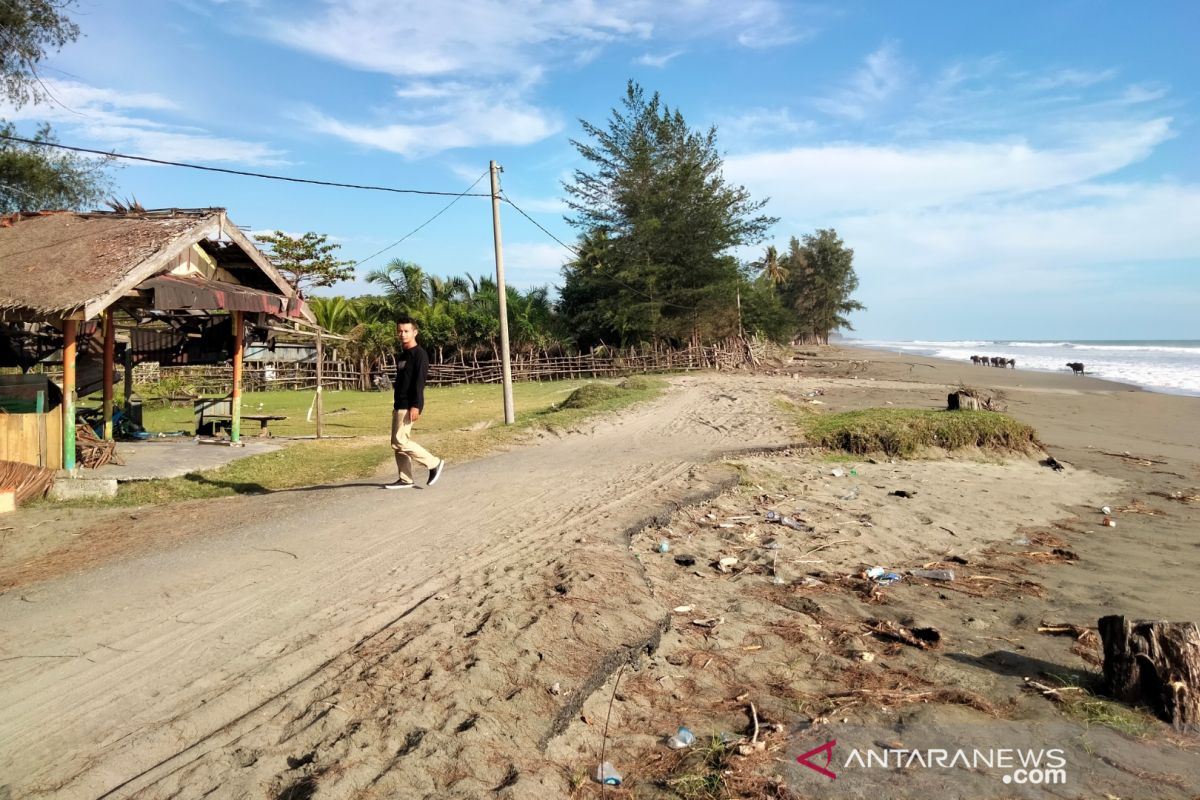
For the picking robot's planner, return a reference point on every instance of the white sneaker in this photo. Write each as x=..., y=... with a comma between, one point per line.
x=398, y=485
x=436, y=473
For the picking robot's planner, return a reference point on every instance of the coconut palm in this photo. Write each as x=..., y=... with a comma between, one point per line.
x=771, y=268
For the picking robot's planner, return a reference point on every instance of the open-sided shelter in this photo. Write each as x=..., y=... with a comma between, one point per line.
x=66, y=276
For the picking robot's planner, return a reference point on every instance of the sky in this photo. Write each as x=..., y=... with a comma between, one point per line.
x=1016, y=170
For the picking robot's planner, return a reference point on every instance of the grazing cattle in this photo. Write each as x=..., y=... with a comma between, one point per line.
x=1012, y=363
x=1076, y=367
x=974, y=359
x=997, y=361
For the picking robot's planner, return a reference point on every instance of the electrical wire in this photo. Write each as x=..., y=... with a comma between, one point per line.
x=426, y=222
x=239, y=172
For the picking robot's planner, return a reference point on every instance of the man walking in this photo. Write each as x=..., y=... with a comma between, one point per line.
x=412, y=366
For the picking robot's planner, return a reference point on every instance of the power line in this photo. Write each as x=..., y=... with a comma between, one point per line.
x=426, y=222
x=579, y=254
x=239, y=172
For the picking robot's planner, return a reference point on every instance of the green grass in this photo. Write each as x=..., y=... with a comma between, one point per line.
x=591, y=395
x=701, y=774
x=906, y=431
x=1079, y=701
x=460, y=423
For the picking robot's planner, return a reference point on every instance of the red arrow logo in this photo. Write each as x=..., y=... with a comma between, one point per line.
x=827, y=749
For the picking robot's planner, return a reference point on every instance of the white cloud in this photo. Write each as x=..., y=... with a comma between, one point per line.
x=754, y=126
x=471, y=68
x=116, y=120
x=819, y=180
x=1072, y=79
x=658, y=61
x=529, y=264
x=881, y=76
x=413, y=38
x=470, y=119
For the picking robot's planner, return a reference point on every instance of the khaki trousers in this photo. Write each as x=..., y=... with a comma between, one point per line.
x=406, y=449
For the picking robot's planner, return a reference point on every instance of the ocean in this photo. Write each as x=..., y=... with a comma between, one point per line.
x=1171, y=366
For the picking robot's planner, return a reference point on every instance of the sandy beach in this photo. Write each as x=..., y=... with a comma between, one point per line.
x=324, y=647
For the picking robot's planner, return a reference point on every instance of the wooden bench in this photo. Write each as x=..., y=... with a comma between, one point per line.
x=264, y=420
x=214, y=412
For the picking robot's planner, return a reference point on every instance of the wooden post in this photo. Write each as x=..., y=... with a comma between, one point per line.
x=70, y=327
x=127, y=362
x=235, y=424
x=320, y=365
x=509, y=415
x=1156, y=664
x=110, y=346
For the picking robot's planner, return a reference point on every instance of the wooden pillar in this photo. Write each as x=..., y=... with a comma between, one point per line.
x=70, y=327
x=127, y=361
x=110, y=346
x=235, y=425
x=320, y=373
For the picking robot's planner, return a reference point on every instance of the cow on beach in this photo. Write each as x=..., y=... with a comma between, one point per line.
x=1076, y=367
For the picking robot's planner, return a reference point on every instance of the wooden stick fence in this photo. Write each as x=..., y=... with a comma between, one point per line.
x=599, y=363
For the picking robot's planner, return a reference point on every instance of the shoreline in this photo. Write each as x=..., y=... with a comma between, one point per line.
x=1154, y=389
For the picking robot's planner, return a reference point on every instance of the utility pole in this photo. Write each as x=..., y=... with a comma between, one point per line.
x=509, y=416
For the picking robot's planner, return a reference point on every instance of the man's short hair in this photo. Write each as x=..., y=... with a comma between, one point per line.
x=405, y=320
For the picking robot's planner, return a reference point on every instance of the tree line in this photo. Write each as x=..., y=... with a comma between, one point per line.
x=655, y=261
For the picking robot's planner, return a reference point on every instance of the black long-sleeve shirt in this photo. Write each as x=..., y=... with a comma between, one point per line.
x=412, y=367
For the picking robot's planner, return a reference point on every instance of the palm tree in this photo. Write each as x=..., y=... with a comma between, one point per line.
x=405, y=284
x=334, y=314
x=771, y=268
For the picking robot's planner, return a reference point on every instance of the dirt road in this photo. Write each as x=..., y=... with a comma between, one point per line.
x=214, y=665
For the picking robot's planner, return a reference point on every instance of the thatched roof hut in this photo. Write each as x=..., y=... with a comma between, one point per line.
x=65, y=276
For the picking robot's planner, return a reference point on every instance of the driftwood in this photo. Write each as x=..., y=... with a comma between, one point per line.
x=92, y=451
x=968, y=399
x=1156, y=664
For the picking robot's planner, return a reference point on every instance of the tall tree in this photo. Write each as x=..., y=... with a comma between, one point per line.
x=307, y=261
x=30, y=30
x=655, y=201
x=36, y=177
x=820, y=283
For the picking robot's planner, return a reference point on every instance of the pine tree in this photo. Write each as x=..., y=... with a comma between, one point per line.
x=658, y=221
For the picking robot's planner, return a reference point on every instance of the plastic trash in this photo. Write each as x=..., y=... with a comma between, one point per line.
x=1105, y=510
x=795, y=525
x=607, y=774
x=1109, y=522
x=933, y=574
x=682, y=738
x=664, y=546
x=851, y=495
x=883, y=577
x=854, y=473
x=773, y=516
x=773, y=545
x=837, y=472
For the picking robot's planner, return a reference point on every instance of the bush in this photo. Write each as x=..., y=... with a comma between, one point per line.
x=903, y=431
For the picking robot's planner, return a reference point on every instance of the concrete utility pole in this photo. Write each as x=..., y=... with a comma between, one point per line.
x=509, y=416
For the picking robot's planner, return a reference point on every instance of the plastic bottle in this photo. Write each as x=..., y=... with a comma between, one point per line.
x=664, y=546
x=607, y=774
x=933, y=574
x=682, y=738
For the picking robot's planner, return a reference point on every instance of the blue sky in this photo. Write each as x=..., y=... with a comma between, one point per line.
x=1002, y=170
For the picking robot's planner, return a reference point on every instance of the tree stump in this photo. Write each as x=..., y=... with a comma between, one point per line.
x=962, y=401
x=1156, y=664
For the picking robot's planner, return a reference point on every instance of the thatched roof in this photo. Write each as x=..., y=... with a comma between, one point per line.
x=56, y=263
